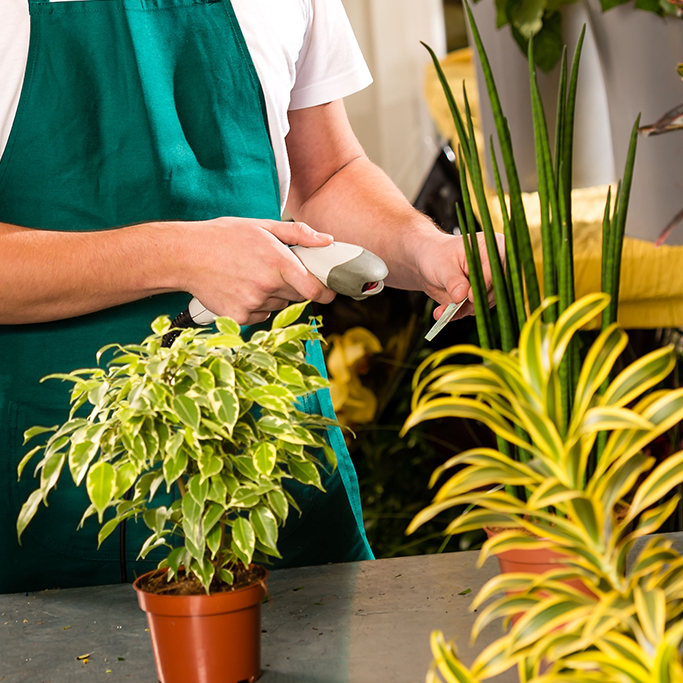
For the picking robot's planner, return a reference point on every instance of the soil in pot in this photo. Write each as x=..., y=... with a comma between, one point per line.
x=200, y=638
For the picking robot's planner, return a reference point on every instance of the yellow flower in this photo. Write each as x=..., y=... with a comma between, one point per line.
x=347, y=359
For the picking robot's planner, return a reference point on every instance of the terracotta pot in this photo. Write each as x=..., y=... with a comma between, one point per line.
x=205, y=638
x=537, y=561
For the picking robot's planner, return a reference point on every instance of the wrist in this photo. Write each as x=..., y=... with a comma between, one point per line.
x=168, y=256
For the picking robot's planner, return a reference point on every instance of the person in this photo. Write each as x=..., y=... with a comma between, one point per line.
x=149, y=148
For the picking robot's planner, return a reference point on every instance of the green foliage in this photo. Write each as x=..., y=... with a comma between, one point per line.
x=661, y=7
x=595, y=617
x=213, y=416
x=540, y=20
x=520, y=290
x=516, y=395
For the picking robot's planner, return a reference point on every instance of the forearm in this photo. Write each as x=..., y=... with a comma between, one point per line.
x=361, y=205
x=48, y=275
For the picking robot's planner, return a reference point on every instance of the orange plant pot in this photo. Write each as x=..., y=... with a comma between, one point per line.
x=205, y=638
x=538, y=561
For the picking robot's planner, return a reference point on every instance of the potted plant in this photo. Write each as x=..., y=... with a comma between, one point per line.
x=215, y=420
x=564, y=475
x=518, y=290
x=588, y=607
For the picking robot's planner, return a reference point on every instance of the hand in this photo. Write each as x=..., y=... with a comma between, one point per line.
x=242, y=267
x=442, y=264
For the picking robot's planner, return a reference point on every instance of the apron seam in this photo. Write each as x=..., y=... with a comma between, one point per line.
x=258, y=86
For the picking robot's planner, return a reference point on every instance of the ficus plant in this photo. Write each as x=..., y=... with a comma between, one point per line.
x=215, y=419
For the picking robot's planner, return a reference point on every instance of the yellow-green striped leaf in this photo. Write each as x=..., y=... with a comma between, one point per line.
x=661, y=480
x=549, y=493
x=468, y=409
x=573, y=319
x=595, y=369
x=651, y=609
x=604, y=418
x=639, y=376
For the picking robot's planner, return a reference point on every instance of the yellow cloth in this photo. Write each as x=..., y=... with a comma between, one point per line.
x=651, y=292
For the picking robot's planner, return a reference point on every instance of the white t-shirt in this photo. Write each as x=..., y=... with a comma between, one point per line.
x=304, y=52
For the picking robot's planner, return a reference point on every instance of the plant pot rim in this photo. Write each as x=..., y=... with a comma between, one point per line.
x=195, y=605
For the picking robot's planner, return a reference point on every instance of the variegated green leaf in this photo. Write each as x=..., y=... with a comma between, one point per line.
x=549, y=493
x=621, y=478
x=651, y=609
x=478, y=519
x=447, y=662
x=543, y=432
x=495, y=659
x=650, y=521
x=534, y=359
x=662, y=408
x=468, y=409
x=604, y=418
x=477, y=476
x=480, y=456
x=289, y=315
x=661, y=480
x=101, y=486
x=595, y=370
x=573, y=319
x=504, y=607
x=639, y=376
x=514, y=539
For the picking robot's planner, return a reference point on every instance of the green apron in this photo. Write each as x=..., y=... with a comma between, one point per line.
x=131, y=111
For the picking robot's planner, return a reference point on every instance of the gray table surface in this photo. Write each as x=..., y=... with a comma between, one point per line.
x=360, y=622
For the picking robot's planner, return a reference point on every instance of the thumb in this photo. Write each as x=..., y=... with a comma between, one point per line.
x=460, y=290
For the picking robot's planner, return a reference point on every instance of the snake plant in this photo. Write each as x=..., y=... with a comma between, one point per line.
x=518, y=290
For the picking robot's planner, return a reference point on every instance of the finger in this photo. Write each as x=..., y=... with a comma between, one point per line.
x=485, y=261
x=291, y=233
x=304, y=285
x=256, y=317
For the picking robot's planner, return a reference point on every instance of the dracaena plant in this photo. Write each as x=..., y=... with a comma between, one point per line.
x=518, y=291
x=613, y=658
x=561, y=623
x=595, y=514
x=214, y=418
x=553, y=500
x=569, y=636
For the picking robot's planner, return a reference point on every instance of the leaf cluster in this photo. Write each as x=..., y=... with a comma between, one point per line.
x=593, y=617
x=215, y=418
x=552, y=492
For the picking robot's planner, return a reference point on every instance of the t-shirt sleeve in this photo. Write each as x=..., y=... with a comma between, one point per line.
x=330, y=65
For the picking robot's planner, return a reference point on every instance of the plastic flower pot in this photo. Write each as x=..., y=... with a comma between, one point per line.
x=205, y=638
